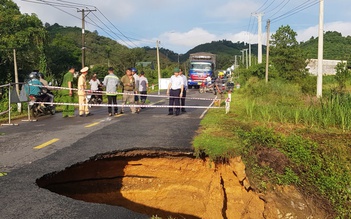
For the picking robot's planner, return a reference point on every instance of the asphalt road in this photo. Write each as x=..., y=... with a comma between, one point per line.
x=32, y=149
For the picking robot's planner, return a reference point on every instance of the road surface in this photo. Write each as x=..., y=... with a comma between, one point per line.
x=32, y=149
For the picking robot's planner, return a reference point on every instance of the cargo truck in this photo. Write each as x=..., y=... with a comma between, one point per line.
x=201, y=65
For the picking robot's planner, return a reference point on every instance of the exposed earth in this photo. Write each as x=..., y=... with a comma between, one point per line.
x=175, y=184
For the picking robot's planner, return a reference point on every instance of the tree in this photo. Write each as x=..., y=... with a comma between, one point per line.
x=342, y=75
x=286, y=55
x=26, y=34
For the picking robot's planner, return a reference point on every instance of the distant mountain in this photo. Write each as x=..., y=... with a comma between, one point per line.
x=336, y=47
x=220, y=48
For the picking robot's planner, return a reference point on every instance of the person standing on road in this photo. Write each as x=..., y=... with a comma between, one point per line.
x=67, y=94
x=185, y=81
x=111, y=82
x=82, y=95
x=136, y=80
x=175, y=92
x=219, y=83
x=94, y=87
x=128, y=84
x=143, y=87
x=46, y=84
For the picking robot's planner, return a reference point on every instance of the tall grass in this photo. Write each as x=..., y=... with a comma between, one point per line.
x=279, y=102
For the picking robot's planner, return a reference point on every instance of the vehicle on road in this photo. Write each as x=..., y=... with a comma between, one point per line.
x=94, y=98
x=201, y=65
x=206, y=87
x=37, y=108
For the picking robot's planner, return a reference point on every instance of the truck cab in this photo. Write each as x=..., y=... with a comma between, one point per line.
x=201, y=65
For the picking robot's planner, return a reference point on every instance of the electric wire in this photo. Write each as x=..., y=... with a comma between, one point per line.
x=268, y=6
x=280, y=8
x=128, y=38
x=52, y=5
x=262, y=6
x=111, y=31
x=299, y=8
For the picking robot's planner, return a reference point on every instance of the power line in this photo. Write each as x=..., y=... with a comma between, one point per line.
x=299, y=8
x=279, y=8
x=262, y=6
x=115, y=26
x=52, y=5
x=268, y=6
x=110, y=30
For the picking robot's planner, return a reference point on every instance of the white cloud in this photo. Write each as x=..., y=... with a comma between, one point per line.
x=234, y=10
x=342, y=27
x=188, y=39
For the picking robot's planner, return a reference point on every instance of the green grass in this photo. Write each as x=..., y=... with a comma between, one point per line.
x=305, y=141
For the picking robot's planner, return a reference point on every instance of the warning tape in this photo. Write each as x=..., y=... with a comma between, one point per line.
x=129, y=105
x=90, y=92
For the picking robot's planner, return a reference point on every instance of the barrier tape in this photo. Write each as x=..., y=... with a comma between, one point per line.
x=5, y=85
x=129, y=105
x=90, y=92
x=5, y=111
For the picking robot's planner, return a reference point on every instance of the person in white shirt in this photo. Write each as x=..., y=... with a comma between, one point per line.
x=175, y=92
x=143, y=86
x=95, y=84
x=136, y=79
x=185, y=81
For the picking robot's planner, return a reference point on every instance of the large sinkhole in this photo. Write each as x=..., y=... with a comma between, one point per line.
x=163, y=183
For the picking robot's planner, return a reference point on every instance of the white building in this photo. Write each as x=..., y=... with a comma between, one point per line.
x=328, y=66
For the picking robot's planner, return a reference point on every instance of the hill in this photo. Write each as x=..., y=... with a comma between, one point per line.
x=336, y=47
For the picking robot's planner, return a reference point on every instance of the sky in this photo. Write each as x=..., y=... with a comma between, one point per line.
x=180, y=25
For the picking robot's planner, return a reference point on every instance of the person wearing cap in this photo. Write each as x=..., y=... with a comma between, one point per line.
x=111, y=82
x=175, y=92
x=67, y=93
x=143, y=86
x=218, y=83
x=185, y=81
x=82, y=95
x=128, y=84
x=136, y=79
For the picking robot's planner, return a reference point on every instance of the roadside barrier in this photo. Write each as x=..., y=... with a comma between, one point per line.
x=9, y=102
x=13, y=97
x=137, y=105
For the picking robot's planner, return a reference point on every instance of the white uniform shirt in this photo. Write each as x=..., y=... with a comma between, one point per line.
x=185, y=81
x=176, y=82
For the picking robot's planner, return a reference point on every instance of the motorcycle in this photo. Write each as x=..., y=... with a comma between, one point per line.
x=39, y=109
x=206, y=87
x=94, y=98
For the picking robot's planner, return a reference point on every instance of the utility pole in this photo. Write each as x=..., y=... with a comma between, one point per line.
x=83, y=33
x=320, y=49
x=158, y=66
x=247, y=59
x=249, y=54
x=259, y=21
x=242, y=57
x=267, y=52
x=19, y=105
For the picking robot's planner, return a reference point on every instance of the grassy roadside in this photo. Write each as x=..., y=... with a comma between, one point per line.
x=281, y=150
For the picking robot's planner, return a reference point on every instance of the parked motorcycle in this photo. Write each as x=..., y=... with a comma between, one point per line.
x=94, y=98
x=39, y=109
x=206, y=87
